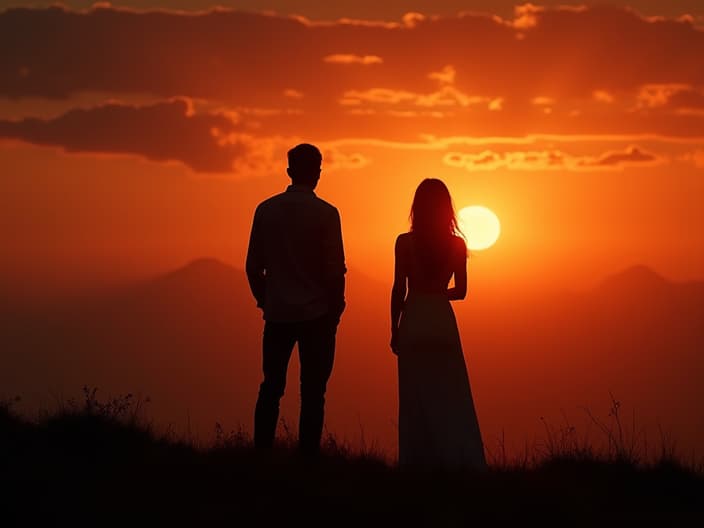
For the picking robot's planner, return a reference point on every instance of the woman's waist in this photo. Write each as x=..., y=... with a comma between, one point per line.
x=440, y=292
x=427, y=297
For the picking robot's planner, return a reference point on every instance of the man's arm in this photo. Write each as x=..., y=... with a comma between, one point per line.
x=335, y=267
x=254, y=265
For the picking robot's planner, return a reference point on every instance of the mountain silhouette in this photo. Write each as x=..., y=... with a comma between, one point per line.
x=202, y=272
x=635, y=282
x=190, y=339
x=636, y=335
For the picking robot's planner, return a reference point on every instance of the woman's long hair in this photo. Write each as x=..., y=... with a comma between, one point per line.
x=433, y=220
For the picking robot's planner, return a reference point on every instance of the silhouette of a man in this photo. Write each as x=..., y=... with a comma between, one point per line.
x=296, y=271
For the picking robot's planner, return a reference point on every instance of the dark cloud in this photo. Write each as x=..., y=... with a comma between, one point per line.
x=229, y=54
x=387, y=10
x=241, y=59
x=614, y=159
x=161, y=132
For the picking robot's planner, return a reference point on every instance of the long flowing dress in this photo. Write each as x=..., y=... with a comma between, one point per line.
x=438, y=425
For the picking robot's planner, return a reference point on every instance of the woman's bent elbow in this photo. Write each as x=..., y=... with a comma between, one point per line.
x=398, y=293
x=457, y=294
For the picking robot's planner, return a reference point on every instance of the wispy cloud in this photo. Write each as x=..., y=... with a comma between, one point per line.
x=656, y=95
x=549, y=159
x=349, y=58
x=445, y=96
x=695, y=156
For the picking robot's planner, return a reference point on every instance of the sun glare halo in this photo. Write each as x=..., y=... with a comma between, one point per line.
x=480, y=226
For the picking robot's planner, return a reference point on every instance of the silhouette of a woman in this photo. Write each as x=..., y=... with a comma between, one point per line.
x=438, y=426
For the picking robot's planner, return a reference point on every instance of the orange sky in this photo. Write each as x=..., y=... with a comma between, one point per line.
x=581, y=128
x=133, y=141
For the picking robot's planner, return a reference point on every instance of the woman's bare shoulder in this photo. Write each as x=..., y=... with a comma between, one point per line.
x=402, y=242
x=403, y=238
x=459, y=244
x=459, y=241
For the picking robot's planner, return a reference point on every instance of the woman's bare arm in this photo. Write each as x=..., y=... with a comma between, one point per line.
x=459, y=291
x=398, y=292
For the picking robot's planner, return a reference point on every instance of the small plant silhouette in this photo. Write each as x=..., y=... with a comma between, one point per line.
x=234, y=439
x=7, y=405
x=121, y=408
x=623, y=445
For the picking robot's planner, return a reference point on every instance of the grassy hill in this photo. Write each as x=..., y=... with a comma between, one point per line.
x=101, y=463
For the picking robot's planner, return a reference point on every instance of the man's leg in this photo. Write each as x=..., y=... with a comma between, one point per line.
x=277, y=345
x=317, y=353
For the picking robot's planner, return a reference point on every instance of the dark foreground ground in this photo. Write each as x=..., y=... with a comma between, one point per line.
x=91, y=466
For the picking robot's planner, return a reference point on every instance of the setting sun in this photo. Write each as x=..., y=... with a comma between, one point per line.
x=480, y=226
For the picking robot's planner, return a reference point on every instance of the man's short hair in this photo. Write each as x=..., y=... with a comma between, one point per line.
x=304, y=156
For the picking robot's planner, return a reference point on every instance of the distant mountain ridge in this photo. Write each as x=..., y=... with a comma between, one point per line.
x=635, y=279
x=191, y=339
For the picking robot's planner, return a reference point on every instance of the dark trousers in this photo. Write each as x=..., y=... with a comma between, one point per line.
x=316, y=349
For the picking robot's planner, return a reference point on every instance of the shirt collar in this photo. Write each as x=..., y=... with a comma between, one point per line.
x=300, y=188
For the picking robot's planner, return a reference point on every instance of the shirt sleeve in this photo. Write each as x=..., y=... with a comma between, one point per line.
x=254, y=265
x=334, y=249
x=334, y=265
